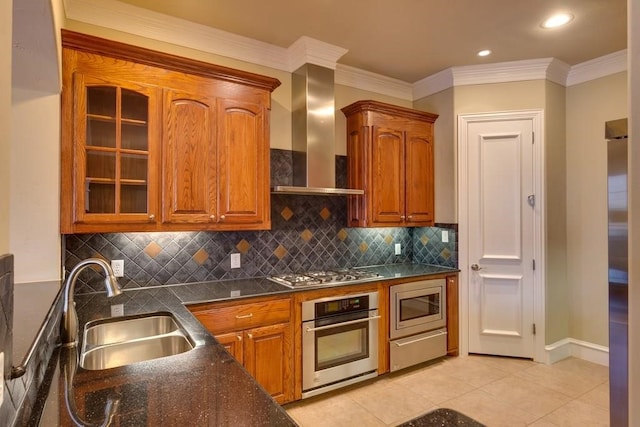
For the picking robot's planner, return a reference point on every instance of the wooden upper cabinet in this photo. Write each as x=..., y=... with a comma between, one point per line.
x=110, y=154
x=387, y=167
x=155, y=142
x=189, y=159
x=243, y=158
x=390, y=157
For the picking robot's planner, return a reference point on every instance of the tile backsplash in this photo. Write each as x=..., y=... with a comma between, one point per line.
x=308, y=233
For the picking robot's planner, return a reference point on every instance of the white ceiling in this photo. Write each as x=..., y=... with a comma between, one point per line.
x=413, y=39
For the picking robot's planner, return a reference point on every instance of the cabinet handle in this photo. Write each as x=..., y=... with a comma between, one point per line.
x=250, y=336
x=221, y=217
x=152, y=217
x=244, y=316
x=212, y=217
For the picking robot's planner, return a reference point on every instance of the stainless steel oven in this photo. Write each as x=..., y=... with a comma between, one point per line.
x=417, y=322
x=339, y=342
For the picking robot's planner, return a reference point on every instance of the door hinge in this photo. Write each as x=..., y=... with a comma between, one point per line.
x=533, y=264
x=534, y=329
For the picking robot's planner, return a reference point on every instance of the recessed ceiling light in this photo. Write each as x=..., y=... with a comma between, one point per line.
x=485, y=52
x=557, y=20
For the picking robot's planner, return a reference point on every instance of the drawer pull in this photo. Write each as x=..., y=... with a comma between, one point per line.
x=420, y=339
x=244, y=316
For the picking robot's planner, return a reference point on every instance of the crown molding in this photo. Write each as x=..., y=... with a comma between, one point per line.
x=599, y=67
x=307, y=50
x=513, y=71
x=365, y=80
x=433, y=84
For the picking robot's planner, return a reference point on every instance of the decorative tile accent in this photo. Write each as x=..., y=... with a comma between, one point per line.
x=325, y=213
x=388, y=239
x=286, y=213
x=342, y=234
x=306, y=235
x=280, y=252
x=363, y=247
x=201, y=256
x=428, y=247
x=243, y=246
x=153, y=249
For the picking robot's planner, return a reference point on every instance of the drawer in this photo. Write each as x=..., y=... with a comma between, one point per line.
x=244, y=316
x=416, y=349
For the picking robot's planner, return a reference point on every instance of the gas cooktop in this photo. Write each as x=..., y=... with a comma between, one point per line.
x=324, y=277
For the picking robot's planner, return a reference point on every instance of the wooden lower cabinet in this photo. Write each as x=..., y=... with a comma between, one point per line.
x=453, y=323
x=259, y=335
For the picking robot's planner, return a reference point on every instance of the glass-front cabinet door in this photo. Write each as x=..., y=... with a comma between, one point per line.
x=115, y=159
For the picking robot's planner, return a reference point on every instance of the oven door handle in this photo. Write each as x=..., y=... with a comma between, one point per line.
x=350, y=322
x=437, y=334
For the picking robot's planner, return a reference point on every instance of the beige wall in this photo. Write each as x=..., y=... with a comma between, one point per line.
x=34, y=201
x=589, y=106
x=445, y=154
x=557, y=287
x=5, y=121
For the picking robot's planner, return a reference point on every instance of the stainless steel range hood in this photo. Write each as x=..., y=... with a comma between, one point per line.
x=313, y=134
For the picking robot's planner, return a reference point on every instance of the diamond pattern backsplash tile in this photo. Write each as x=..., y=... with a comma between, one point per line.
x=308, y=233
x=428, y=247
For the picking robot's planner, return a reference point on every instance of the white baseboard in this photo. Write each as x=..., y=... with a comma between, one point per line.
x=581, y=349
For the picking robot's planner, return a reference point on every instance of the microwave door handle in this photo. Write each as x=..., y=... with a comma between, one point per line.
x=350, y=322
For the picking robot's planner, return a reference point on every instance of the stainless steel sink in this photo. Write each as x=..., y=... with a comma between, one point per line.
x=118, y=342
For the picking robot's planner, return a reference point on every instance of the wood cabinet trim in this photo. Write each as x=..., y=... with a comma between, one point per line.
x=92, y=44
x=381, y=107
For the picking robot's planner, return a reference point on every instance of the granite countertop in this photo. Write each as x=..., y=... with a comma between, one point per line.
x=204, y=386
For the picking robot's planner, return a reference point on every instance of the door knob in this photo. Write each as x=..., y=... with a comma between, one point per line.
x=475, y=267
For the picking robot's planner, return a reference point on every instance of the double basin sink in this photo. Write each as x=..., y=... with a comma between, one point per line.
x=114, y=342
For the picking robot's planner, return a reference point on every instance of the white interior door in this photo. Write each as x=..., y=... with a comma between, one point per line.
x=501, y=199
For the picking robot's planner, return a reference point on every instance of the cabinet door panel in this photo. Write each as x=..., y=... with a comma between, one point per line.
x=267, y=357
x=387, y=175
x=419, y=178
x=115, y=171
x=189, y=153
x=243, y=158
x=232, y=342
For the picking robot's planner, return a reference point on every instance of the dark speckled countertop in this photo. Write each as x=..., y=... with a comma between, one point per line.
x=204, y=386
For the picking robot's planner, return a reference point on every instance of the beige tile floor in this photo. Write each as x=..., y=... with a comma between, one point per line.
x=495, y=391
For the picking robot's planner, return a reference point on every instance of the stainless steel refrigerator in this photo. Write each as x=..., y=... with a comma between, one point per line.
x=617, y=181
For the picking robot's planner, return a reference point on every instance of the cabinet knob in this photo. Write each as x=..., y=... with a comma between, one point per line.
x=212, y=217
x=402, y=217
x=221, y=217
x=239, y=337
x=250, y=336
x=410, y=217
x=152, y=217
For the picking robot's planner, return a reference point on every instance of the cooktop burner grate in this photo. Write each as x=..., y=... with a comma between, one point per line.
x=323, y=277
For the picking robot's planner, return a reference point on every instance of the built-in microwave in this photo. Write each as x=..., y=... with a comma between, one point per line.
x=417, y=307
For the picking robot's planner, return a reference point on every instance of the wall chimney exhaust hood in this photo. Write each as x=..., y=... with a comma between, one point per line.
x=313, y=134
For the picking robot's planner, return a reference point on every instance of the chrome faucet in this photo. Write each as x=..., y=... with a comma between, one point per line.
x=69, y=333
